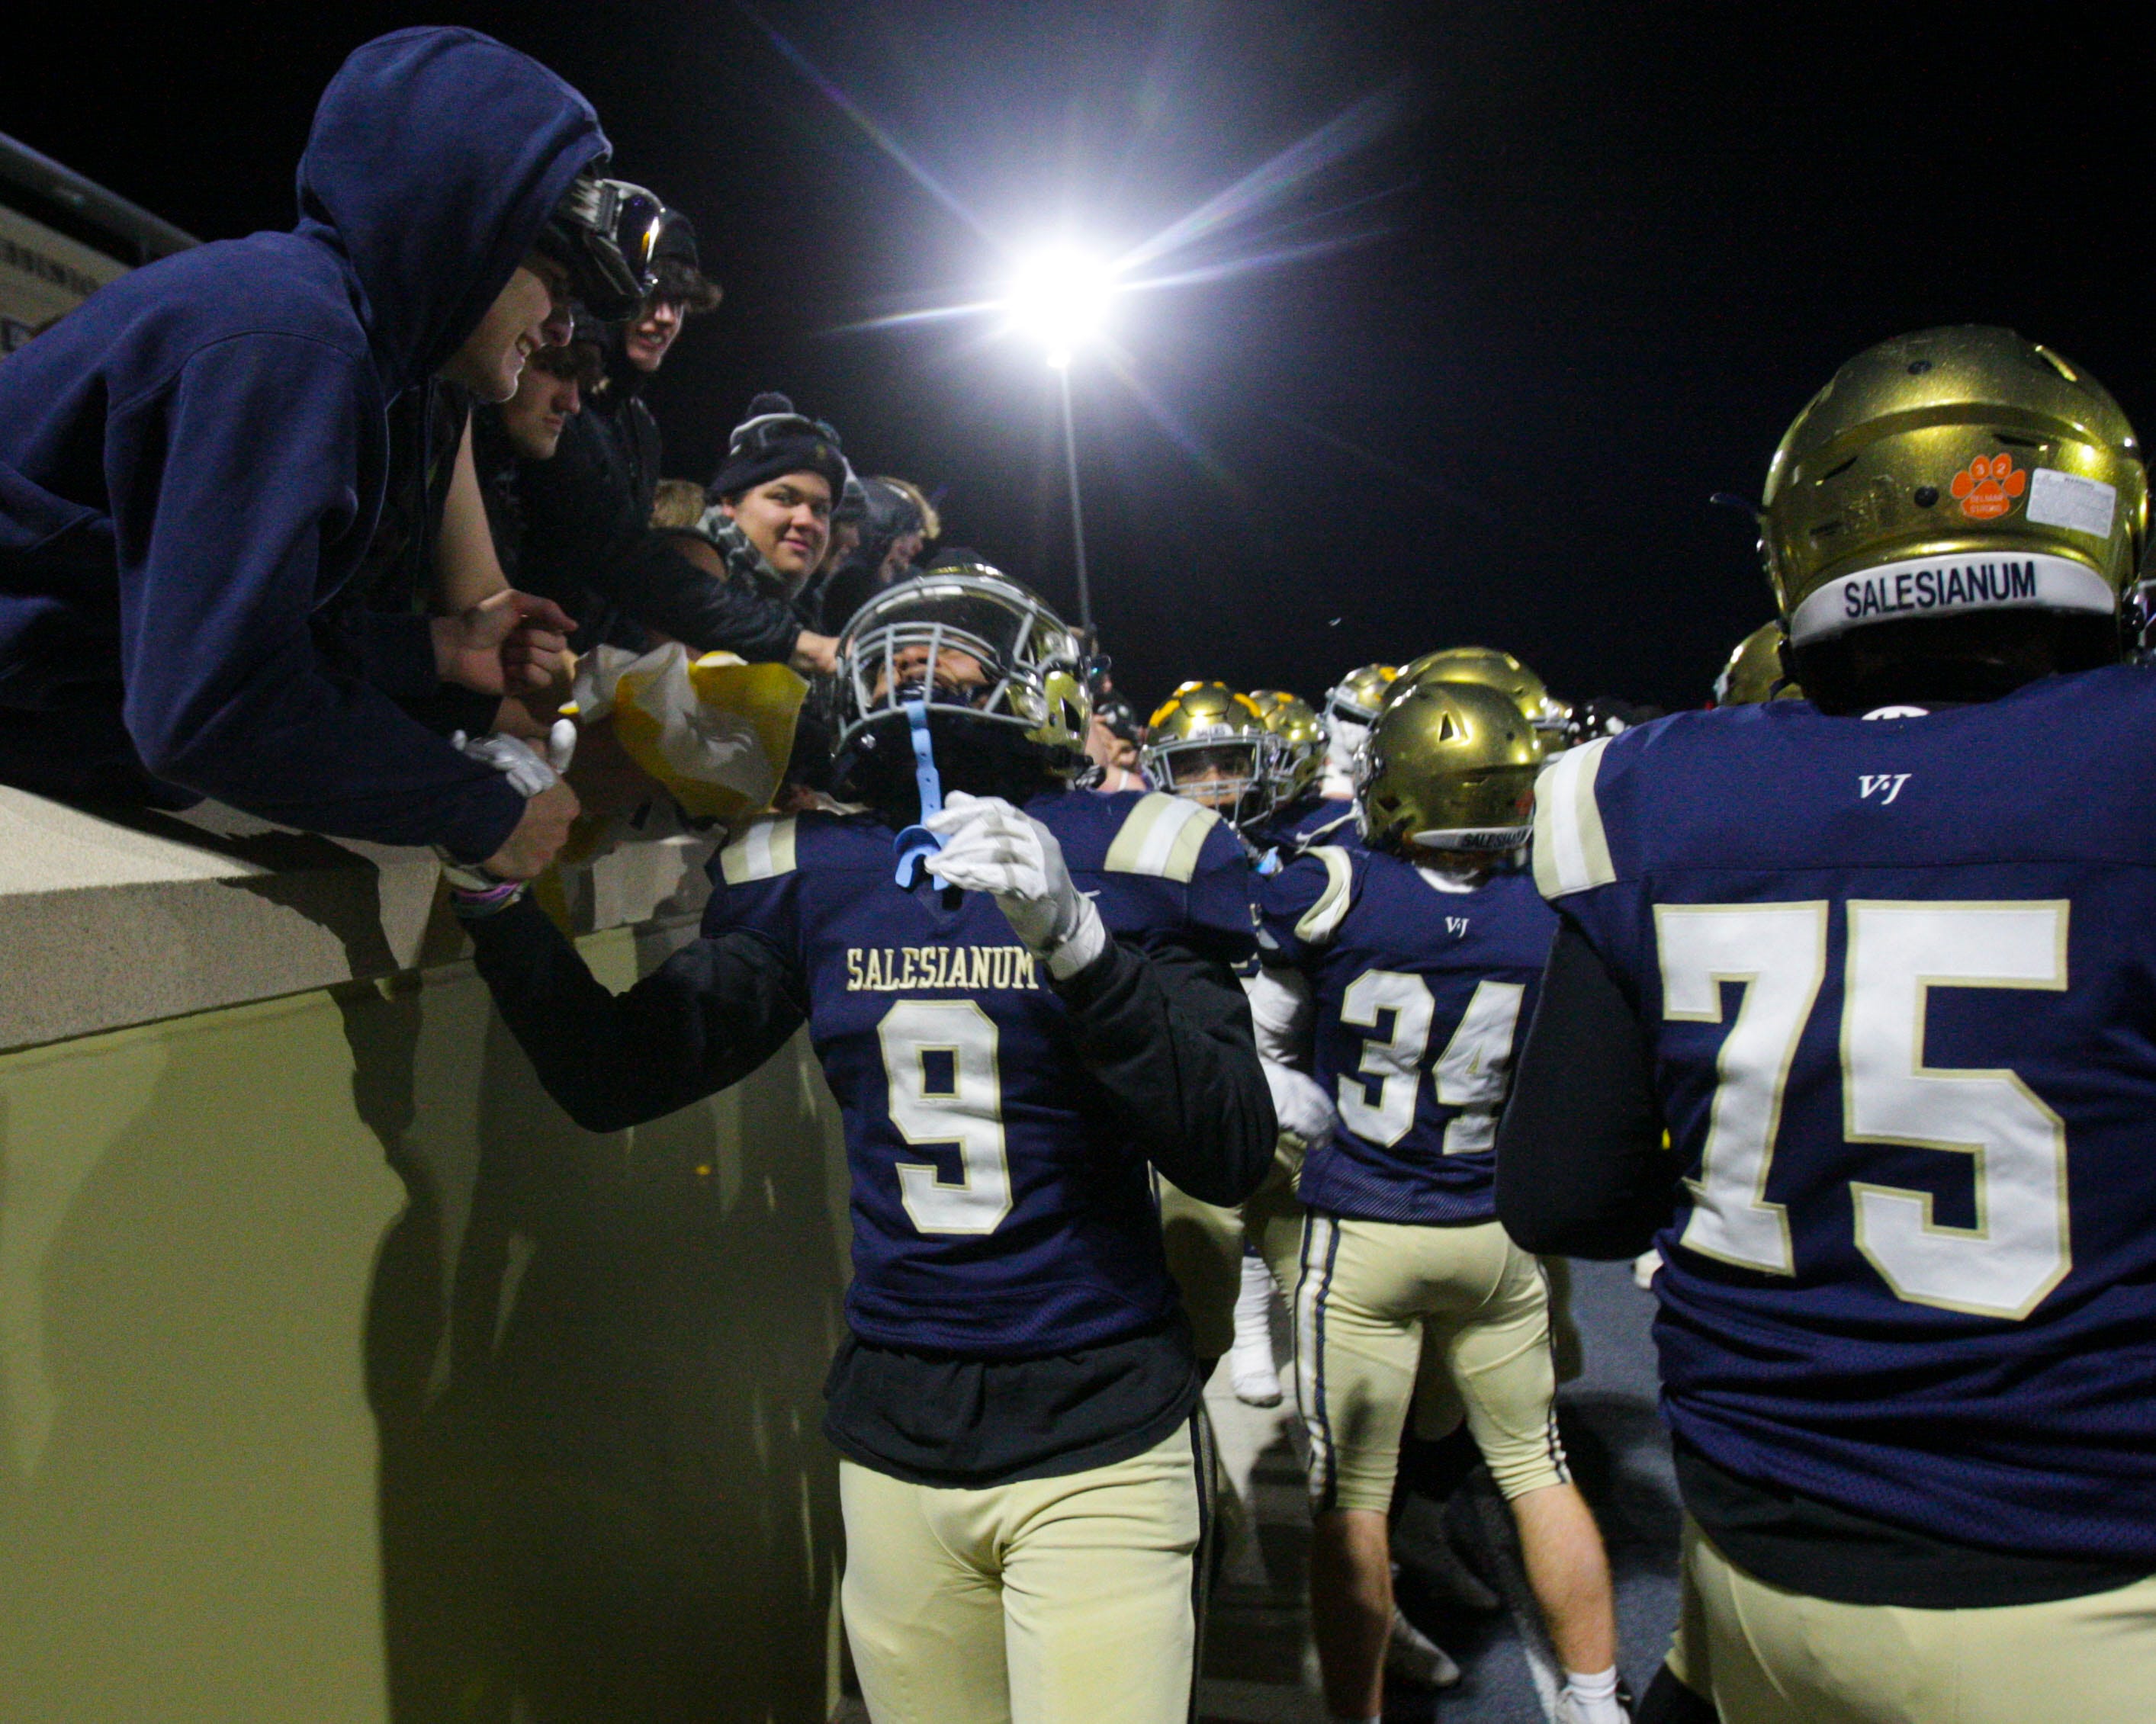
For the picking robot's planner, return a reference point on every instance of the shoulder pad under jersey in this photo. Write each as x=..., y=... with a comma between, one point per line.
x=1571, y=850
x=1162, y=835
x=1317, y=926
x=764, y=851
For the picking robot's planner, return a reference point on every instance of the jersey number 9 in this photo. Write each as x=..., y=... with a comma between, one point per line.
x=939, y=1063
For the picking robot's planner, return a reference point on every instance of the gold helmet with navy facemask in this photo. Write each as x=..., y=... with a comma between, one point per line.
x=1950, y=472
x=1299, y=754
x=1491, y=668
x=1448, y=767
x=901, y=648
x=1210, y=745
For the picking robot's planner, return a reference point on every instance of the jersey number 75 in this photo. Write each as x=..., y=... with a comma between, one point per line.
x=2018, y=1251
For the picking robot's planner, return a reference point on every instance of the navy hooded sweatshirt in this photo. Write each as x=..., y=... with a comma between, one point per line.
x=191, y=464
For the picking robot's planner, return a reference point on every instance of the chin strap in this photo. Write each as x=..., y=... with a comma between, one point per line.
x=917, y=842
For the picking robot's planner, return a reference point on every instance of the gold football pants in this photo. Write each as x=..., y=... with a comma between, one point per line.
x=1389, y=1316
x=1070, y=1600
x=1768, y=1656
x=1205, y=1247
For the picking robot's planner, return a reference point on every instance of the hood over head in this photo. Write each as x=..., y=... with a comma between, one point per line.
x=436, y=157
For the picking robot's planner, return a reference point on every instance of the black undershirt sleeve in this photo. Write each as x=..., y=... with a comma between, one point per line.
x=707, y=1018
x=1167, y=1032
x=1582, y=1168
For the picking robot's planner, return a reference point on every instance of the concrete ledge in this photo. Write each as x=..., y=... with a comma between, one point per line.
x=113, y=918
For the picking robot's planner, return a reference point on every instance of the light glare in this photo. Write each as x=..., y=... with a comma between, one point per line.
x=1060, y=297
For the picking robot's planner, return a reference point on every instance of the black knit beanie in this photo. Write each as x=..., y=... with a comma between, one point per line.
x=774, y=440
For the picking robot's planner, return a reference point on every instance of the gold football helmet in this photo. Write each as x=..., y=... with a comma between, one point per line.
x=1494, y=669
x=1753, y=673
x=1949, y=471
x=1356, y=697
x=1299, y=748
x=1210, y=744
x=1448, y=767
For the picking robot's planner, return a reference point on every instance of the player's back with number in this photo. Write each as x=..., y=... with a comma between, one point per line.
x=968, y=1111
x=1880, y=959
x=1419, y=992
x=1903, y=973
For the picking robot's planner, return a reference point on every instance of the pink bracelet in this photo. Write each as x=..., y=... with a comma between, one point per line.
x=472, y=903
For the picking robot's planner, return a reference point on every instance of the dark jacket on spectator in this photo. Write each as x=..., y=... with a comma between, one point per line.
x=191, y=465
x=589, y=546
x=496, y=463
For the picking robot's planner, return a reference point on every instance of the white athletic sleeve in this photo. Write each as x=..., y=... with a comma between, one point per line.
x=1283, y=1014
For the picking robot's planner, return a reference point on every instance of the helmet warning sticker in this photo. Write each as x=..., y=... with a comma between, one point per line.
x=1987, y=490
x=2067, y=500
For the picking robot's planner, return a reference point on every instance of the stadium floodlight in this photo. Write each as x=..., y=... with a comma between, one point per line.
x=1060, y=297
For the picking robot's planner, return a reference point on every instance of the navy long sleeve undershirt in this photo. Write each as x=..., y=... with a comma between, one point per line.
x=1581, y=1166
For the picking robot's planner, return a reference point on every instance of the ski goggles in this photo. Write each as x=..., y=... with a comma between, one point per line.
x=605, y=233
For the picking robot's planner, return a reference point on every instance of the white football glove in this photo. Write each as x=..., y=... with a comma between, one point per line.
x=989, y=846
x=1300, y=1103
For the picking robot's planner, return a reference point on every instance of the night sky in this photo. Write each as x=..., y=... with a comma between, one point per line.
x=1581, y=267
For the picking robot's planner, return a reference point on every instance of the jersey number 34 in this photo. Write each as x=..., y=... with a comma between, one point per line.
x=2018, y=1251
x=1470, y=1074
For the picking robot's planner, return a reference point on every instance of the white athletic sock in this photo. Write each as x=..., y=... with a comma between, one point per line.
x=1594, y=1698
x=1254, y=1302
x=1250, y=1370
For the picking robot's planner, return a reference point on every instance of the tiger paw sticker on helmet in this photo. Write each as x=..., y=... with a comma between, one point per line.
x=1989, y=489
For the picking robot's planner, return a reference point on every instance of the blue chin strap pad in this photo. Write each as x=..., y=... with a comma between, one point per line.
x=917, y=842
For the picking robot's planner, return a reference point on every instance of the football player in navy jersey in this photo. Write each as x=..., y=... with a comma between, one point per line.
x=1212, y=746
x=1298, y=804
x=1880, y=960
x=1402, y=972
x=1022, y=1002
x=1271, y=1222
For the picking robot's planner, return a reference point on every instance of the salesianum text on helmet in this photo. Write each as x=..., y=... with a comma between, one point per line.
x=1926, y=589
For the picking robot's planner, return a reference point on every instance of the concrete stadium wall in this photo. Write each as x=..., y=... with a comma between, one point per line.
x=341, y=1379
